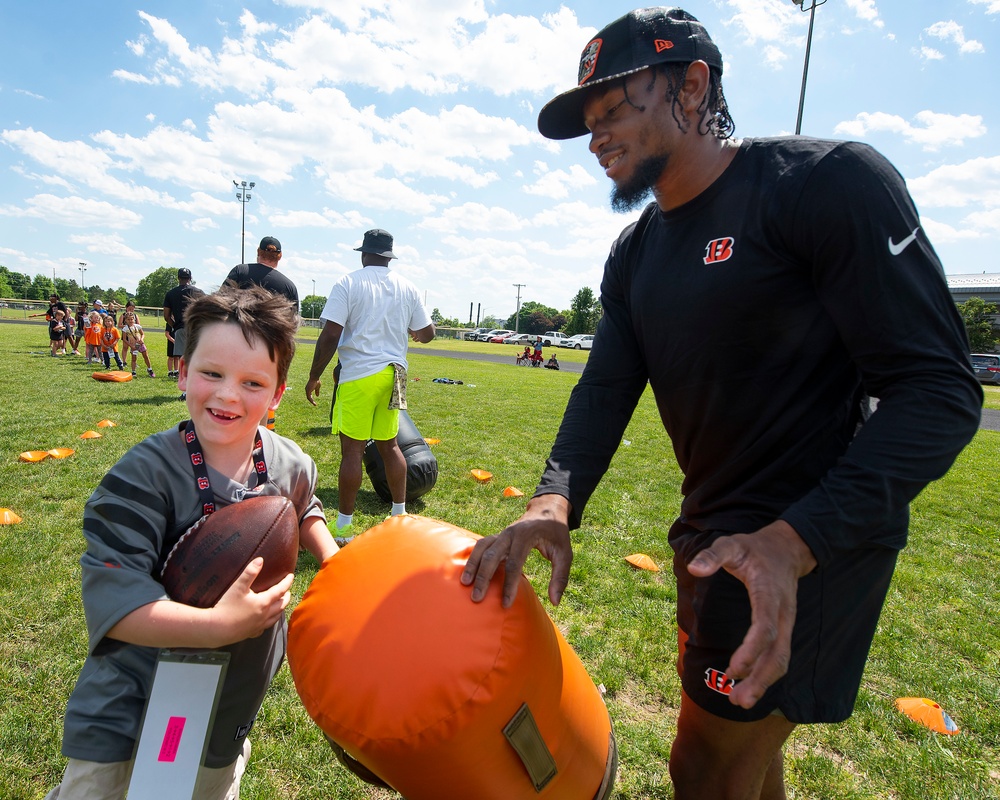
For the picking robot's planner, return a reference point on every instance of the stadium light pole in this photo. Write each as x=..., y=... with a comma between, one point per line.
x=811, y=8
x=83, y=273
x=243, y=195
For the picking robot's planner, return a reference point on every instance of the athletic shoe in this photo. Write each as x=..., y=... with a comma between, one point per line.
x=184, y=396
x=151, y=373
x=133, y=373
x=343, y=541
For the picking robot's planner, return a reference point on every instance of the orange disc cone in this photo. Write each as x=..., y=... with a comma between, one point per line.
x=512, y=491
x=106, y=423
x=8, y=517
x=927, y=713
x=482, y=475
x=90, y=435
x=33, y=455
x=642, y=561
x=61, y=452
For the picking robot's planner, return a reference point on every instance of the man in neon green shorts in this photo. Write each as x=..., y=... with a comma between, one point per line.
x=367, y=318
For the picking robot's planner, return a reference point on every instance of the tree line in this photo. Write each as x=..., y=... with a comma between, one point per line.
x=533, y=317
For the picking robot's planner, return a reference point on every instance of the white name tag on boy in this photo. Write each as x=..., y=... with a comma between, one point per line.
x=178, y=717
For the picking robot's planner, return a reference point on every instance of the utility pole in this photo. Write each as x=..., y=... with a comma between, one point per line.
x=517, y=314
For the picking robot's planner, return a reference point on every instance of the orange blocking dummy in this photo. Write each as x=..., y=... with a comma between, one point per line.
x=436, y=695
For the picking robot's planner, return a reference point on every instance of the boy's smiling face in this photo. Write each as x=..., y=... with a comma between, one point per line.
x=230, y=384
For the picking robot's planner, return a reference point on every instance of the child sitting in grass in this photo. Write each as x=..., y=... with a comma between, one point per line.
x=239, y=346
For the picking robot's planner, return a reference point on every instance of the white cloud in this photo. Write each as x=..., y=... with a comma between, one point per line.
x=974, y=183
x=107, y=245
x=74, y=212
x=992, y=6
x=930, y=54
x=930, y=130
x=431, y=47
x=473, y=217
x=865, y=10
x=951, y=31
x=351, y=220
x=557, y=184
x=201, y=224
x=767, y=21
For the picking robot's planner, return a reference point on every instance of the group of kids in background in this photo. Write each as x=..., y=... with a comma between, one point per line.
x=98, y=330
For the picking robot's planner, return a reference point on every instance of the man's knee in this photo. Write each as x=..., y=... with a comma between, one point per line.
x=719, y=758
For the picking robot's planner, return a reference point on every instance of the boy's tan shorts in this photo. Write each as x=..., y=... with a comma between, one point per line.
x=90, y=780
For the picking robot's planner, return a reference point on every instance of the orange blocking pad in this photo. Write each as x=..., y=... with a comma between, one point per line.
x=114, y=376
x=439, y=696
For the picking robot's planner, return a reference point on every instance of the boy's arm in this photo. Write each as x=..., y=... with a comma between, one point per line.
x=315, y=537
x=240, y=614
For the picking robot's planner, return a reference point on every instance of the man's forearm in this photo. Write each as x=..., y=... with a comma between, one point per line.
x=326, y=346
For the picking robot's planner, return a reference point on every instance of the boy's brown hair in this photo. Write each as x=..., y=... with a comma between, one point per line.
x=261, y=315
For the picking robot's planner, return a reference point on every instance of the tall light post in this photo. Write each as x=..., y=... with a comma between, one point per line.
x=243, y=195
x=804, y=5
x=83, y=273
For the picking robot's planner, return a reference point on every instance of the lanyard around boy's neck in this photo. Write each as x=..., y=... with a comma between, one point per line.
x=201, y=469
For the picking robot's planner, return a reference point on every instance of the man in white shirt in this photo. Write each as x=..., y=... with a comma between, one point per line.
x=367, y=318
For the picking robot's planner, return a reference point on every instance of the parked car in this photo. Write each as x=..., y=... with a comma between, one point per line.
x=550, y=338
x=497, y=337
x=582, y=341
x=485, y=337
x=473, y=335
x=521, y=339
x=987, y=367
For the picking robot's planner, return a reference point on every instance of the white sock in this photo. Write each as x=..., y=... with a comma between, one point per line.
x=343, y=520
x=397, y=509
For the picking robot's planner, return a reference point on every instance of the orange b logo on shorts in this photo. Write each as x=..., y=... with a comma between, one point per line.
x=718, y=681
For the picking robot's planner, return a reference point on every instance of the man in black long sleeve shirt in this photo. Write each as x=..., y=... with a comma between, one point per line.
x=772, y=288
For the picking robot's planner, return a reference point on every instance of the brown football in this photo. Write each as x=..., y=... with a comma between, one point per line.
x=214, y=551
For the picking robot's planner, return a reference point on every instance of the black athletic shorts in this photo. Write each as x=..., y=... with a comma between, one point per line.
x=838, y=610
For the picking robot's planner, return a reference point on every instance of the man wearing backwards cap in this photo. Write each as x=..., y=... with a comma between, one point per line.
x=805, y=264
x=265, y=272
x=367, y=316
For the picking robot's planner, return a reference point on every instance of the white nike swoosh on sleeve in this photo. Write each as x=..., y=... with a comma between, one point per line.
x=896, y=249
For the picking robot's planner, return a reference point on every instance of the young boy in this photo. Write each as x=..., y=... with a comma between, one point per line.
x=240, y=344
x=57, y=333
x=109, y=342
x=92, y=336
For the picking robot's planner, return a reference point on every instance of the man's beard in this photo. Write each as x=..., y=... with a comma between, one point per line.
x=631, y=194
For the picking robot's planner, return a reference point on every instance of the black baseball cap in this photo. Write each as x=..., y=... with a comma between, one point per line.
x=631, y=43
x=183, y=272
x=270, y=243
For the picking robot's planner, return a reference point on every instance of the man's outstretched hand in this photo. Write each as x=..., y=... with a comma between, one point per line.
x=544, y=526
x=769, y=563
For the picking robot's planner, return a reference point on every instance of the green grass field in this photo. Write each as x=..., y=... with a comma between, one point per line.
x=938, y=637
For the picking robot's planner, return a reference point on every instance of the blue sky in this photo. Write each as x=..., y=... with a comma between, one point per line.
x=123, y=125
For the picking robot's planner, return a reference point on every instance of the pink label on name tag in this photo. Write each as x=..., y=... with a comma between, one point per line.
x=172, y=739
